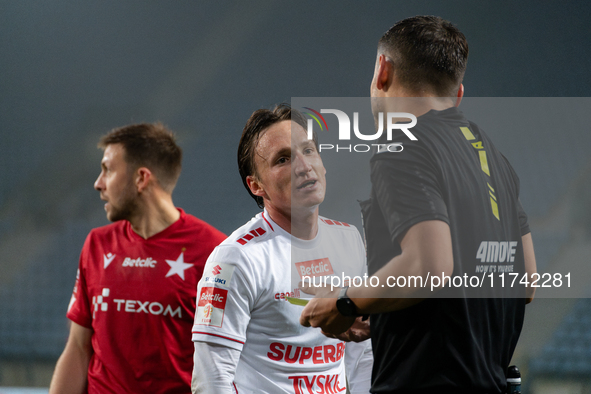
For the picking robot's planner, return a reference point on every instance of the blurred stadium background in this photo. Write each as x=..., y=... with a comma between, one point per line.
x=70, y=71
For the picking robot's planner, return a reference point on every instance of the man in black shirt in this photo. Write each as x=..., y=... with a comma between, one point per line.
x=447, y=206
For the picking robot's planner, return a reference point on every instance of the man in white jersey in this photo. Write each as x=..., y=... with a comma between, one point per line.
x=247, y=335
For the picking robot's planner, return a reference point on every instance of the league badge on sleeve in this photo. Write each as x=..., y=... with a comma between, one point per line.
x=218, y=274
x=211, y=306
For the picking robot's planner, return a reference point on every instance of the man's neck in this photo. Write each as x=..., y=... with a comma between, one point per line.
x=301, y=224
x=154, y=216
x=417, y=105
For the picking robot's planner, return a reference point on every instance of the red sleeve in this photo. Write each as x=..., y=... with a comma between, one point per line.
x=79, y=309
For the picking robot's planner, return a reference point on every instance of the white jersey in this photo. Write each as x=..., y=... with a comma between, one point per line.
x=242, y=304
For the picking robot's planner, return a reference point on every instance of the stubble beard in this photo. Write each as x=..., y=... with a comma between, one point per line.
x=127, y=207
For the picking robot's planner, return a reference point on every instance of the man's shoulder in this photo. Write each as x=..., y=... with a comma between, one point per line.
x=440, y=134
x=195, y=224
x=253, y=234
x=105, y=237
x=251, y=246
x=433, y=125
x=108, y=230
x=336, y=232
x=337, y=226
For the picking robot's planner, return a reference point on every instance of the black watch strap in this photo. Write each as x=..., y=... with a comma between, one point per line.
x=345, y=305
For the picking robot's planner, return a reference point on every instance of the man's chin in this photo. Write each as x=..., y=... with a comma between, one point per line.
x=115, y=216
x=309, y=204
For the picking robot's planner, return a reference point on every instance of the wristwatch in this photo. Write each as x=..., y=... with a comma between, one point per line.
x=345, y=305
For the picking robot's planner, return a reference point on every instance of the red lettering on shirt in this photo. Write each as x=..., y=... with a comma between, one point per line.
x=340, y=350
x=288, y=358
x=328, y=382
x=293, y=294
x=325, y=384
x=330, y=353
x=306, y=354
x=309, y=384
x=276, y=351
x=318, y=355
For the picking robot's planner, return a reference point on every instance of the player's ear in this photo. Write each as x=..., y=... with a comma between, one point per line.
x=255, y=186
x=460, y=95
x=384, y=73
x=143, y=176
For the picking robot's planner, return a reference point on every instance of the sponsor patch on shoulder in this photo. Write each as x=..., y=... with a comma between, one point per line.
x=211, y=306
x=218, y=274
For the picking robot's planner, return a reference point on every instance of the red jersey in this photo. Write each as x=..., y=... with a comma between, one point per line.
x=138, y=296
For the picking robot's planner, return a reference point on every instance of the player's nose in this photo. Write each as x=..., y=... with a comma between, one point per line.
x=99, y=184
x=301, y=164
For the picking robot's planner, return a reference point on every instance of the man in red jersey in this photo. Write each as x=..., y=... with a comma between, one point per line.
x=134, y=300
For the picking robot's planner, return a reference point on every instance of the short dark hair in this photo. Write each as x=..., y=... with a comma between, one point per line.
x=149, y=145
x=427, y=52
x=259, y=121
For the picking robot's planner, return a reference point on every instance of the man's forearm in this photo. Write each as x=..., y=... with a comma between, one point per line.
x=71, y=371
x=426, y=251
x=214, y=367
x=530, y=264
x=379, y=299
x=70, y=375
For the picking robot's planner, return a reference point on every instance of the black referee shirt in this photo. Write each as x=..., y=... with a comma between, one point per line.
x=456, y=341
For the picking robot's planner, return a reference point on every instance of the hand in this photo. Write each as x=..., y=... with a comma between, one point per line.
x=322, y=311
x=358, y=332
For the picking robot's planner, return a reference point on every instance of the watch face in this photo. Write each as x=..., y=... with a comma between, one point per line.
x=341, y=307
x=346, y=307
